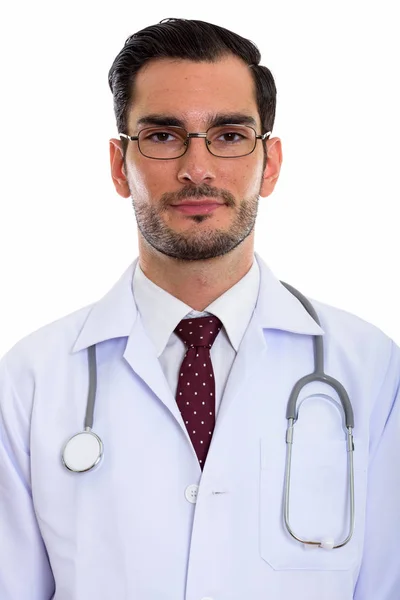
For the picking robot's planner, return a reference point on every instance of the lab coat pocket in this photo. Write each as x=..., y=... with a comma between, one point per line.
x=319, y=505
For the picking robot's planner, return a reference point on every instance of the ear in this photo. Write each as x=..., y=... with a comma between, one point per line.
x=273, y=167
x=117, y=168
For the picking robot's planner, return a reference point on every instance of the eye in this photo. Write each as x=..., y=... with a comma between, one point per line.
x=159, y=136
x=231, y=136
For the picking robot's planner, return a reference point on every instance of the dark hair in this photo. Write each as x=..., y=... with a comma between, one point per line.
x=191, y=40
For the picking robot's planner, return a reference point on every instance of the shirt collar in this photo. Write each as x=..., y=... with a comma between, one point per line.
x=114, y=315
x=159, y=324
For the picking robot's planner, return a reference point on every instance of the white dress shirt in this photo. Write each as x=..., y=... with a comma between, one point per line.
x=161, y=313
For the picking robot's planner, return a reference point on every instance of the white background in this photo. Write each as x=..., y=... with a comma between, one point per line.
x=331, y=227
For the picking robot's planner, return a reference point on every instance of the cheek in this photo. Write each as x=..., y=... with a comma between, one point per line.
x=243, y=180
x=148, y=179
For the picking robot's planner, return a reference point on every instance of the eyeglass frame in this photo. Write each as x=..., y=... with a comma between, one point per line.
x=189, y=135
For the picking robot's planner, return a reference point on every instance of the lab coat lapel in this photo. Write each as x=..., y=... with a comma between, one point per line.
x=249, y=359
x=277, y=309
x=115, y=316
x=141, y=356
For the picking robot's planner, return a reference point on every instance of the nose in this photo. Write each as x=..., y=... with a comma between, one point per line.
x=197, y=165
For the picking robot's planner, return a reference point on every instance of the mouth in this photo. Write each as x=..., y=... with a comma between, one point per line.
x=198, y=209
x=194, y=206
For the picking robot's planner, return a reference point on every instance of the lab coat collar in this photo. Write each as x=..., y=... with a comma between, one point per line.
x=114, y=315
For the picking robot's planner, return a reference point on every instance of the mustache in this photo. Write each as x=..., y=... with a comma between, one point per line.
x=199, y=191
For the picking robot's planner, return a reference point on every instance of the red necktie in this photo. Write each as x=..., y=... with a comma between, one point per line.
x=195, y=394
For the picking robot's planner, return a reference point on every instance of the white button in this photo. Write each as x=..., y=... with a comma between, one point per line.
x=208, y=598
x=191, y=496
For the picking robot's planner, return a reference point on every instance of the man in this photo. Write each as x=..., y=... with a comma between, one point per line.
x=185, y=498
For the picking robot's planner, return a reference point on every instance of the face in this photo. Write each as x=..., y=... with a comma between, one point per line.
x=194, y=95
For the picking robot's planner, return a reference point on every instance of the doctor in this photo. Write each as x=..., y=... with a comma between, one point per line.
x=197, y=349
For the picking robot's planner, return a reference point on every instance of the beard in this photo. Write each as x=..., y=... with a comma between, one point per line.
x=196, y=243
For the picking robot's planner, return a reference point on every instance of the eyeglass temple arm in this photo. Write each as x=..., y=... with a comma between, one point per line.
x=263, y=136
x=129, y=137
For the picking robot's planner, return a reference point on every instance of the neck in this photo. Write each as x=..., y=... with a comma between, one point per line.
x=197, y=283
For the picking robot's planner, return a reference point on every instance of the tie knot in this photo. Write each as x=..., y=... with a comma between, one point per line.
x=198, y=332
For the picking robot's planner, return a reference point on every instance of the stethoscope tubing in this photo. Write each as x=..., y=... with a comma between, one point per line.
x=291, y=416
x=92, y=388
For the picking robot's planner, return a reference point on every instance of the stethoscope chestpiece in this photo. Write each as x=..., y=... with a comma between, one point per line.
x=82, y=452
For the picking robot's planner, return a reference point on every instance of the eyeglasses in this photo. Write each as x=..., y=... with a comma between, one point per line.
x=225, y=141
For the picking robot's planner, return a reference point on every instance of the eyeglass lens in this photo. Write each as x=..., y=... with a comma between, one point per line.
x=171, y=142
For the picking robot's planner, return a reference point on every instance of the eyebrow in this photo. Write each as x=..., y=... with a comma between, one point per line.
x=213, y=121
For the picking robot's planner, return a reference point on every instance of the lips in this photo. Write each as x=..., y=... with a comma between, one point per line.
x=196, y=202
x=193, y=209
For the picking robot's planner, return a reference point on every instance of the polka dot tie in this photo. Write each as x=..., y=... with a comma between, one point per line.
x=195, y=394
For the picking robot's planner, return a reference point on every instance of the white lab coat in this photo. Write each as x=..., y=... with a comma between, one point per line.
x=126, y=531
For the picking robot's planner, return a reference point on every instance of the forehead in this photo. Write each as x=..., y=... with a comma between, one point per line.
x=193, y=91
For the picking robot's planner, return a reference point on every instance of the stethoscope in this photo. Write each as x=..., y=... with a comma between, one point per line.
x=85, y=449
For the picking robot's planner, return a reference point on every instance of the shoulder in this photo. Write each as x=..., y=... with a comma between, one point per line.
x=40, y=345
x=339, y=324
x=358, y=344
